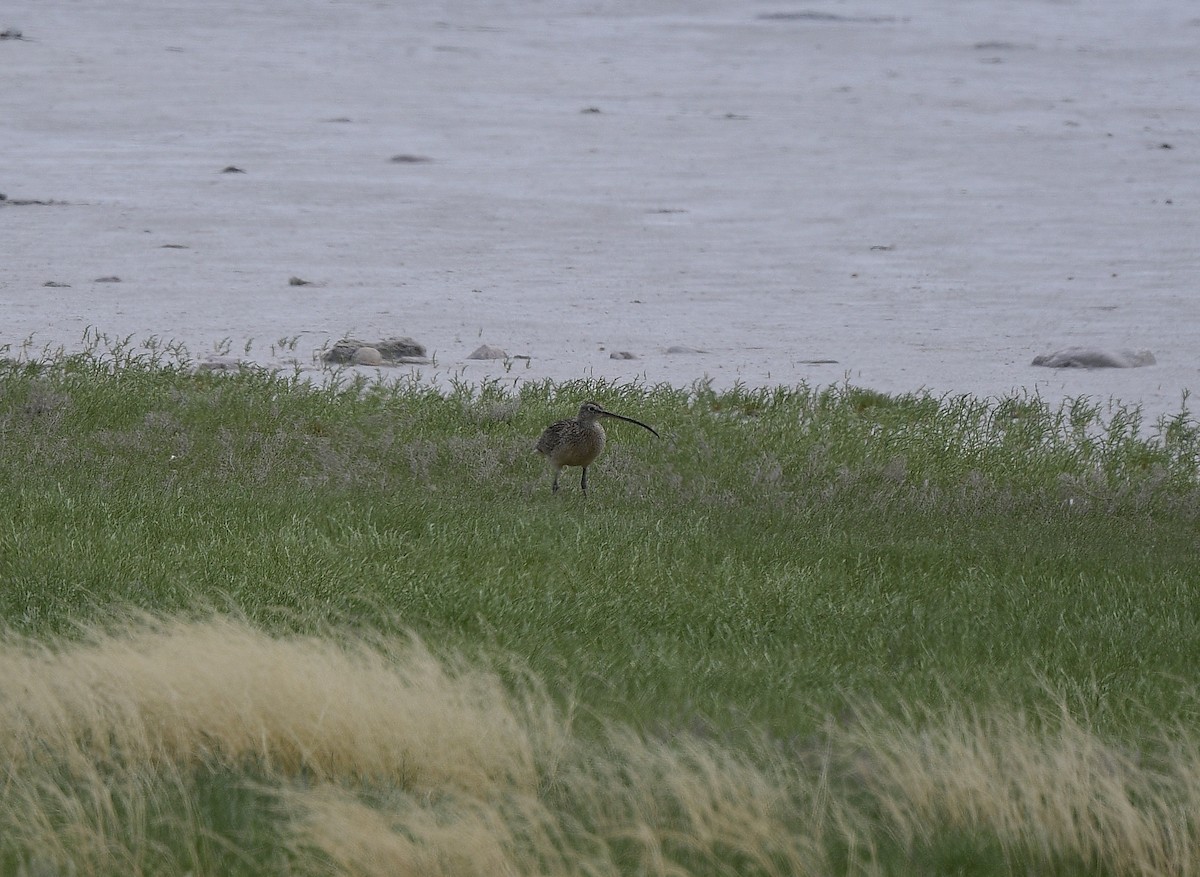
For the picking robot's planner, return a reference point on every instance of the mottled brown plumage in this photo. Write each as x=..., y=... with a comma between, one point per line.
x=578, y=441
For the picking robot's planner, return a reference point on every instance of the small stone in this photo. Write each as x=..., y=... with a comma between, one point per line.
x=682, y=348
x=621, y=354
x=487, y=351
x=367, y=356
x=298, y=281
x=112, y=278
x=232, y=169
x=406, y=158
x=54, y=284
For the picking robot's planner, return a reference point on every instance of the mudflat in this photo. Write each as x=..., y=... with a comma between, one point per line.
x=924, y=197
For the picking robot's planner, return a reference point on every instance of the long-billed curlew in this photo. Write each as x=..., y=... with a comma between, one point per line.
x=578, y=441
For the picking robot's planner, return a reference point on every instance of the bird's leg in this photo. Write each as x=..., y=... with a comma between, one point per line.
x=554, y=486
x=583, y=481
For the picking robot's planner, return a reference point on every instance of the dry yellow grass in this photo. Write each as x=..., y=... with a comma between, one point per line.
x=382, y=758
x=219, y=689
x=1052, y=789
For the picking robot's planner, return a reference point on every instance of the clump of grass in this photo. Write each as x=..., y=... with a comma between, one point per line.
x=111, y=736
x=222, y=692
x=957, y=788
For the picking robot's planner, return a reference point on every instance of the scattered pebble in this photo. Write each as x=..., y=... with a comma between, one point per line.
x=406, y=158
x=297, y=281
x=232, y=169
x=56, y=285
x=621, y=354
x=111, y=278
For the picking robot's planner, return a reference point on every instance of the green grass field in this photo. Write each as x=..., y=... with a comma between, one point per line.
x=255, y=626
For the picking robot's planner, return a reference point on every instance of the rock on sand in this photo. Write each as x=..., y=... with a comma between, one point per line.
x=1092, y=357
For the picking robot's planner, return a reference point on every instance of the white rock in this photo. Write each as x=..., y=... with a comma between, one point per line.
x=366, y=355
x=1093, y=357
x=487, y=351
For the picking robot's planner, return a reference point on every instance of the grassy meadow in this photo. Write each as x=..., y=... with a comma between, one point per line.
x=256, y=626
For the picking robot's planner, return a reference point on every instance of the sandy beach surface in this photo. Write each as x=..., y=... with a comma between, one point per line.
x=907, y=196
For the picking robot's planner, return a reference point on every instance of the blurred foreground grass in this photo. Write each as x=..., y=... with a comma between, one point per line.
x=861, y=625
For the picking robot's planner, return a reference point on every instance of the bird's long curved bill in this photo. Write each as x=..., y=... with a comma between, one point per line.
x=631, y=420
